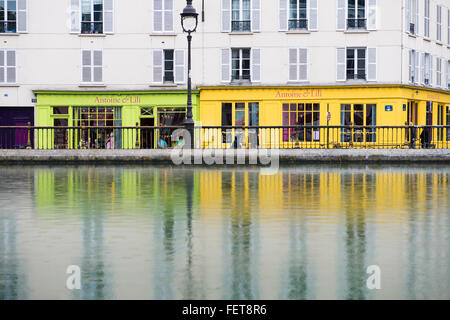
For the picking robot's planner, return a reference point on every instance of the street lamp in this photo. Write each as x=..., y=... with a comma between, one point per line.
x=189, y=22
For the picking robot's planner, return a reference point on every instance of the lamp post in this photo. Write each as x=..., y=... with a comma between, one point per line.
x=189, y=22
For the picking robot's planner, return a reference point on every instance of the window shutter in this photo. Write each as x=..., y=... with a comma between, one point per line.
x=168, y=16
x=157, y=16
x=256, y=15
x=448, y=75
x=283, y=15
x=341, y=14
x=75, y=21
x=86, y=61
x=157, y=66
x=408, y=14
x=416, y=22
x=256, y=65
x=108, y=16
x=226, y=65
x=411, y=65
x=372, y=21
x=423, y=68
x=417, y=68
x=313, y=14
x=226, y=15
x=2, y=66
x=430, y=70
x=179, y=66
x=340, y=58
x=11, y=66
x=372, y=64
x=303, y=64
x=22, y=16
x=293, y=64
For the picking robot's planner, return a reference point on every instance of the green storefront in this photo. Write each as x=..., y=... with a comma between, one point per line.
x=108, y=119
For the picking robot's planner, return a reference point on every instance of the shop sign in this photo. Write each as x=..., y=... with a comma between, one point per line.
x=117, y=100
x=296, y=94
x=388, y=108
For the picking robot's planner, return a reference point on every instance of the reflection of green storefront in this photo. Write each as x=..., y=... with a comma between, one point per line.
x=105, y=110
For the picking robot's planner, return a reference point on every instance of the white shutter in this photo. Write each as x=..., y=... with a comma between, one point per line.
x=422, y=69
x=430, y=71
x=448, y=76
x=86, y=66
x=283, y=16
x=179, y=66
x=256, y=65
x=226, y=65
x=108, y=16
x=2, y=66
x=372, y=21
x=75, y=16
x=411, y=65
x=157, y=66
x=416, y=22
x=417, y=67
x=256, y=15
x=408, y=14
x=293, y=64
x=340, y=64
x=226, y=15
x=157, y=16
x=313, y=14
x=168, y=16
x=11, y=66
x=97, y=65
x=341, y=14
x=448, y=29
x=22, y=16
x=371, y=64
x=303, y=64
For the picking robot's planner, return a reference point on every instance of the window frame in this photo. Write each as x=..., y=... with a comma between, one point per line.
x=241, y=15
x=347, y=11
x=164, y=66
x=6, y=21
x=241, y=60
x=298, y=11
x=355, y=60
x=92, y=21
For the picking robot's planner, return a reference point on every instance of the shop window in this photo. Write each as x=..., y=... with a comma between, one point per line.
x=240, y=64
x=299, y=115
x=147, y=111
x=298, y=15
x=448, y=122
x=356, y=14
x=239, y=110
x=440, y=122
x=170, y=117
x=60, y=110
x=103, y=136
x=227, y=121
x=240, y=16
x=360, y=117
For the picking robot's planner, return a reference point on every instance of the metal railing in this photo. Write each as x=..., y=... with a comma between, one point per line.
x=226, y=137
x=241, y=26
x=298, y=24
x=356, y=24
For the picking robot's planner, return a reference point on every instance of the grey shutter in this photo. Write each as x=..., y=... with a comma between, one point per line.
x=11, y=66
x=157, y=16
x=157, y=66
x=86, y=61
x=313, y=15
x=430, y=72
x=293, y=64
x=256, y=15
x=417, y=67
x=448, y=76
x=226, y=65
x=168, y=16
x=256, y=65
x=283, y=15
x=97, y=66
x=340, y=15
x=411, y=65
x=226, y=15
x=22, y=16
x=303, y=64
x=372, y=20
x=371, y=64
x=75, y=23
x=416, y=22
x=340, y=64
x=108, y=16
x=2, y=66
x=408, y=14
x=179, y=66
x=422, y=69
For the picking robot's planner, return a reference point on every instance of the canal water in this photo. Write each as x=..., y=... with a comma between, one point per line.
x=159, y=232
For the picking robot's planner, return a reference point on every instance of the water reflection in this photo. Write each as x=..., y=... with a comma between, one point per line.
x=172, y=233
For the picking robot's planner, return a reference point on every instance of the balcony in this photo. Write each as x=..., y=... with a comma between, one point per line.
x=241, y=26
x=356, y=24
x=92, y=27
x=298, y=24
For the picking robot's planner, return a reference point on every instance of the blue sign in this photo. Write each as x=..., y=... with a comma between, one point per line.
x=33, y=100
x=388, y=108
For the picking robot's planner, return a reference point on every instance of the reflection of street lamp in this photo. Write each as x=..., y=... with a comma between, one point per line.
x=189, y=22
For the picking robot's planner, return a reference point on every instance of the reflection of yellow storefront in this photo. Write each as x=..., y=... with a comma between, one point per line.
x=351, y=106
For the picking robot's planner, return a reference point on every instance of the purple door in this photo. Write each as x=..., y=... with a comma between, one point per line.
x=15, y=117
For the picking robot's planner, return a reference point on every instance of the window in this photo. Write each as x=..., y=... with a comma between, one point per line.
x=427, y=68
x=356, y=14
x=448, y=77
x=163, y=16
x=413, y=72
x=240, y=109
x=96, y=16
x=240, y=15
x=168, y=66
x=412, y=16
x=439, y=23
x=301, y=114
x=298, y=15
x=356, y=63
x=360, y=116
x=427, y=19
x=60, y=110
x=8, y=16
x=440, y=122
x=298, y=64
x=448, y=122
x=92, y=65
x=8, y=66
x=240, y=64
x=448, y=27
x=438, y=72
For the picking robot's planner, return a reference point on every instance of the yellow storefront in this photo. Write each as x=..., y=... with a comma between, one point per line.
x=328, y=107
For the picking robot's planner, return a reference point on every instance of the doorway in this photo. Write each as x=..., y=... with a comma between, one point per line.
x=61, y=138
x=147, y=134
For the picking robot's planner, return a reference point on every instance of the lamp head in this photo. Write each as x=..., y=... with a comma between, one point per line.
x=189, y=18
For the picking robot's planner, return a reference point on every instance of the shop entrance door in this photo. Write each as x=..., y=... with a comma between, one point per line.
x=60, y=139
x=147, y=134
